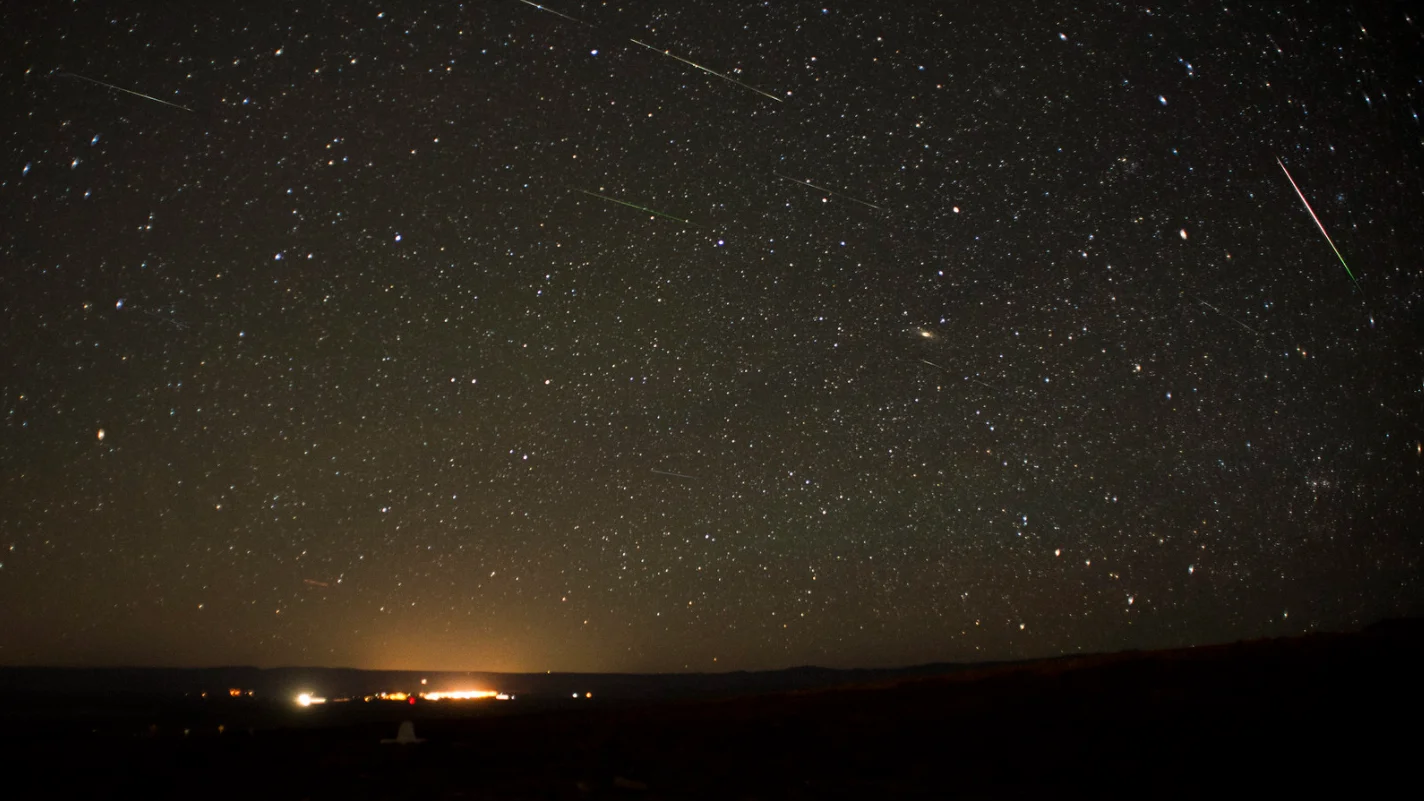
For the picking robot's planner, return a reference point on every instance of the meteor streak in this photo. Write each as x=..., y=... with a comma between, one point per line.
x=552, y=11
x=715, y=73
x=1317, y=222
x=827, y=191
x=632, y=205
x=1229, y=317
x=674, y=475
x=1253, y=331
x=966, y=378
x=126, y=91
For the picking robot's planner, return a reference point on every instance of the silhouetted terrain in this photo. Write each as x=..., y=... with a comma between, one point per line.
x=1306, y=715
x=285, y=683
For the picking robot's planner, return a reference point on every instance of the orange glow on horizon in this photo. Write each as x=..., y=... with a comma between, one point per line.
x=459, y=695
x=307, y=699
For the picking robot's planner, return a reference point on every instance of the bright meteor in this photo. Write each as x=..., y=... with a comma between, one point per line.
x=632, y=205
x=552, y=11
x=827, y=191
x=715, y=73
x=1317, y=222
x=126, y=91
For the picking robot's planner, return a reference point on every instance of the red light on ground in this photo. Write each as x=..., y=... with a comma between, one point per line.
x=411, y=700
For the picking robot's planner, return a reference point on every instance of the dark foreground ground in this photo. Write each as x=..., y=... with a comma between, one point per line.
x=1314, y=716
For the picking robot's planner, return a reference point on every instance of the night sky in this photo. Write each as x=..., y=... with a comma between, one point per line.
x=443, y=336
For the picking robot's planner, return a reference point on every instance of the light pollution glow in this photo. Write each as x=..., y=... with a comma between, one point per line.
x=459, y=695
x=307, y=699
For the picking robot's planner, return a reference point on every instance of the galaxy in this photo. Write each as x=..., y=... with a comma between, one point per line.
x=698, y=336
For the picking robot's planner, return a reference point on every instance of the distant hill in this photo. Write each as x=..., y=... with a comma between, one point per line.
x=1305, y=716
x=288, y=682
x=284, y=683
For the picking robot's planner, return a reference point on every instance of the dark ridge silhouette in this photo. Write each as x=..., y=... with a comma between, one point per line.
x=284, y=683
x=1306, y=715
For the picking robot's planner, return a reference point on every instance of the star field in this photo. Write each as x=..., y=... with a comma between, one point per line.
x=410, y=335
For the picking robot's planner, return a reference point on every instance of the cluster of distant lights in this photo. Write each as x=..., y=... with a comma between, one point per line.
x=233, y=692
x=307, y=699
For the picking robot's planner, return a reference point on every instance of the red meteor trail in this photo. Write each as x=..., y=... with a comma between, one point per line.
x=1317, y=222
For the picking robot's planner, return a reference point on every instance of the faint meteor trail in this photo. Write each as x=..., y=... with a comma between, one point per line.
x=633, y=206
x=126, y=91
x=827, y=191
x=1229, y=317
x=552, y=11
x=715, y=73
x=1317, y=222
x=164, y=318
x=966, y=378
x=674, y=475
x=983, y=384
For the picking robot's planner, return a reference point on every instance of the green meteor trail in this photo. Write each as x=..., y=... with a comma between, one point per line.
x=1318, y=224
x=632, y=205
